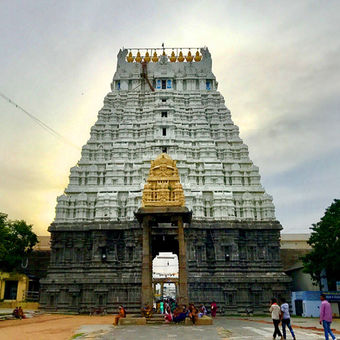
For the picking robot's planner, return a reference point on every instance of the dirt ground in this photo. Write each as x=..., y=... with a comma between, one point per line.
x=48, y=326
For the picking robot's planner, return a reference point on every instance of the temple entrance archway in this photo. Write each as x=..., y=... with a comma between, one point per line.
x=163, y=229
x=162, y=218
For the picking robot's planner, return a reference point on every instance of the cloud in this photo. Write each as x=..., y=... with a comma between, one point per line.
x=277, y=65
x=301, y=194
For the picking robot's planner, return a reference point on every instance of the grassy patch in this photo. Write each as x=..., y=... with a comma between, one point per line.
x=75, y=336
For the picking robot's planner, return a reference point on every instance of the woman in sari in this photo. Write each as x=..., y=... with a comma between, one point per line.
x=202, y=311
x=193, y=313
x=179, y=315
x=213, y=309
x=168, y=315
x=122, y=314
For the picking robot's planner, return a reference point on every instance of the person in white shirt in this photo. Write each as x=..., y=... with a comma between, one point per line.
x=276, y=313
x=286, y=319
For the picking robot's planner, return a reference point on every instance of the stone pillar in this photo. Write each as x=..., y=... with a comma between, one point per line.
x=162, y=289
x=147, y=297
x=183, y=275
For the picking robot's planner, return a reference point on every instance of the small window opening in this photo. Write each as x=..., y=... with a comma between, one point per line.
x=230, y=299
x=100, y=300
x=163, y=84
x=164, y=114
x=164, y=131
x=163, y=100
x=227, y=251
x=164, y=150
x=208, y=85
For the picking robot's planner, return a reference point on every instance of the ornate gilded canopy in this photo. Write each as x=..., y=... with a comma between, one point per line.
x=163, y=187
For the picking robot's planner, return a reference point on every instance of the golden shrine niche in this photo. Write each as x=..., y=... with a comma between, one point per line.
x=163, y=187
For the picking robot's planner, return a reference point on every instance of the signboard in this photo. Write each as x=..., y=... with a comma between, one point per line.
x=332, y=296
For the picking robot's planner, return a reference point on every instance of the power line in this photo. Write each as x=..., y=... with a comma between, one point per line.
x=40, y=122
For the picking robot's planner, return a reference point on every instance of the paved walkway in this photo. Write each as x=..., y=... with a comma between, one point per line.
x=63, y=327
x=223, y=329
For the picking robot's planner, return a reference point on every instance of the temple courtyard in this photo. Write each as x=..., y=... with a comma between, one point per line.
x=66, y=327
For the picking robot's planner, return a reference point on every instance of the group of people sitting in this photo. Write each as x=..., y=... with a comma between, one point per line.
x=18, y=313
x=174, y=313
x=181, y=312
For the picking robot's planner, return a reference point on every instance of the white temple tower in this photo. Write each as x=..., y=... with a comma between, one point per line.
x=170, y=104
x=185, y=117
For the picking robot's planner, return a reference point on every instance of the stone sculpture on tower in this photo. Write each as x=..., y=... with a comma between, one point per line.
x=164, y=103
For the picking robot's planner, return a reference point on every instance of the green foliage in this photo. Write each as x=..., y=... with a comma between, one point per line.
x=75, y=336
x=16, y=242
x=325, y=242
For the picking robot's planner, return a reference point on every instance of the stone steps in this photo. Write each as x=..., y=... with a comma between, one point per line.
x=155, y=319
x=154, y=322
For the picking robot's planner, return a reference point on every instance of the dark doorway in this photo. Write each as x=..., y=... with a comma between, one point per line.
x=11, y=289
x=298, y=307
x=164, y=243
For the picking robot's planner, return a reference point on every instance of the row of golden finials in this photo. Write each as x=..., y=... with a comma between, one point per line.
x=173, y=58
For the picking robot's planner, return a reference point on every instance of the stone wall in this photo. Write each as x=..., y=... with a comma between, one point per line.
x=99, y=265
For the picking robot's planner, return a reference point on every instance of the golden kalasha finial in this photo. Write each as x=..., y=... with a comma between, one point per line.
x=138, y=57
x=172, y=57
x=189, y=57
x=155, y=58
x=198, y=57
x=163, y=52
x=130, y=58
x=147, y=57
x=180, y=57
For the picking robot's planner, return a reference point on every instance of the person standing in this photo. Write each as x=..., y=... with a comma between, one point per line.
x=276, y=312
x=213, y=308
x=286, y=318
x=326, y=317
x=161, y=307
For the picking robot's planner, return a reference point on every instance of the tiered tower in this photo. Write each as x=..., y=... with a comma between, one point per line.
x=164, y=104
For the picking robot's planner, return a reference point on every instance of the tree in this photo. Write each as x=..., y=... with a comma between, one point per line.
x=16, y=242
x=325, y=243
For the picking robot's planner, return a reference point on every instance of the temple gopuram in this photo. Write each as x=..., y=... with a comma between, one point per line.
x=164, y=170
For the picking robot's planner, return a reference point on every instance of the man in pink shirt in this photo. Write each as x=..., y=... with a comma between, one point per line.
x=326, y=317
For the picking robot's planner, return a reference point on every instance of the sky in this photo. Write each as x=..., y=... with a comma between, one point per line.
x=277, y=64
